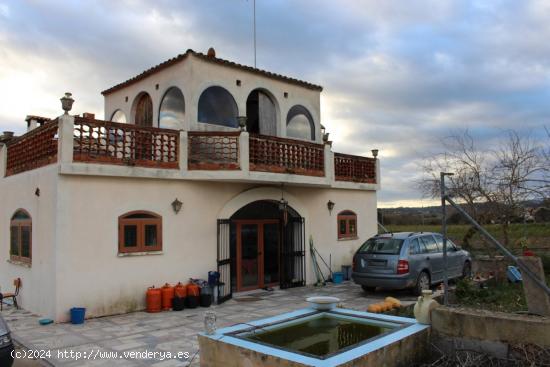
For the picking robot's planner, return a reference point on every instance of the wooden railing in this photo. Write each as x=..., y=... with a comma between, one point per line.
x=35, y=149
x=213, y=150
x=114, y=143
x=354, y=168
x=281, y=155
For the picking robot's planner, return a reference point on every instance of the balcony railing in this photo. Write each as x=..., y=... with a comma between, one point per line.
x=354, y=168
x=213, y=150
x=35, y=149
x=280, y=155
x=109, y=142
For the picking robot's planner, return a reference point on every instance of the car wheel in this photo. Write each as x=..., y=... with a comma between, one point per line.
x=368, y=289
x=422, y=283
x=467, y=270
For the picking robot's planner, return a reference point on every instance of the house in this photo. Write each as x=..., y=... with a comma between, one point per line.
x=201, y=164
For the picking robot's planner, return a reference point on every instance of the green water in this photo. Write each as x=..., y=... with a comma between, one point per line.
x=319, y=336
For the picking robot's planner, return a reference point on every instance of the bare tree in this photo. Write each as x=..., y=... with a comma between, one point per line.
x=501, y=179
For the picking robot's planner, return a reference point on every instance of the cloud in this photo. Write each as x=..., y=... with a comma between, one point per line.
x=397, y=77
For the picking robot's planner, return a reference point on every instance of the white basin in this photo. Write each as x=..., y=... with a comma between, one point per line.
x=323, y=303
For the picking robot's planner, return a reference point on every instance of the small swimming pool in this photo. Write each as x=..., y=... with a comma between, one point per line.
x=308, y=337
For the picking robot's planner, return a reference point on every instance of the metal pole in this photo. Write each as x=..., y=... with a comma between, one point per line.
x=525, y=270
x=254, y=33
x=444, y=230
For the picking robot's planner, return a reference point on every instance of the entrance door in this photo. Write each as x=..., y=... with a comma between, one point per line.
x=257, y=254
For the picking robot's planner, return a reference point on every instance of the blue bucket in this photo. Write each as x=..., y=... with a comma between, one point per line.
x=337, y=277
x=77, y=315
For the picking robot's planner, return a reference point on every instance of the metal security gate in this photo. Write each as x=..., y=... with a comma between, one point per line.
x=224, y=260
x=293, y=255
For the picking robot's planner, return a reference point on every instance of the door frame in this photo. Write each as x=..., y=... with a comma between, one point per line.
x=260, y=223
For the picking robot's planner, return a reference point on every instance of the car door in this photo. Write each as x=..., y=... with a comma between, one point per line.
x=434, y=256
x=454, y=259
x=417, y=257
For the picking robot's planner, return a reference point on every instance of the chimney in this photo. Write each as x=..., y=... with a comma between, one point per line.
x=211, y=52
x=88, y=115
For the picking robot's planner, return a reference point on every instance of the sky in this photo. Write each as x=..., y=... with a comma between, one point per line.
x=397, y=76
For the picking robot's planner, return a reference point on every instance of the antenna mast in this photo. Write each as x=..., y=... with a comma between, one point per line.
x=254, y=33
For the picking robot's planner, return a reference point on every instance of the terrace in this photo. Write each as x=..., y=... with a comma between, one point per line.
x=84, y=145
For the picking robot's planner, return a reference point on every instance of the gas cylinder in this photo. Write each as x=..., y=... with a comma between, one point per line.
x=153, y=299
x=167, y=296
x=180, y=290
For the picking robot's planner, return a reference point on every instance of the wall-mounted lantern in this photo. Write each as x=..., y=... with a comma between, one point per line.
x=374, y=153
x=330, y=206
x=242, y=122
x=176, y=205
x=67, y=102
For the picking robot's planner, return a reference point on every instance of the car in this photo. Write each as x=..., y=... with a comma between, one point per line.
x=407, y=260
x=6, y=345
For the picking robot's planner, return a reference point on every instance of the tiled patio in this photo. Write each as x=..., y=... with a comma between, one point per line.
x=169, y=331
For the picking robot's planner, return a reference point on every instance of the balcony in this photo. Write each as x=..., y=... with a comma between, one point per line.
x=88, y=146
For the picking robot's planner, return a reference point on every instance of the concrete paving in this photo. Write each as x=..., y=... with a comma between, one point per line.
x=166, y=331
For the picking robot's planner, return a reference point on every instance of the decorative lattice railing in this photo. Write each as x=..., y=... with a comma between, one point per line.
x=114, y=143
x=35, y=149
x=354, y=168
x=213, y=150
x=280, y=155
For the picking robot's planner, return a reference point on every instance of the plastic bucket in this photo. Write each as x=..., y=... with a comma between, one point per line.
x=77, y=315
x=337, y=277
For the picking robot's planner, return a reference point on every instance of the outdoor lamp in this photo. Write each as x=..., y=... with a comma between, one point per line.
x=374, y=153
x=67, y=102
x=242, y=122
x=330, y=206
x=176, y=205
x=283, y=204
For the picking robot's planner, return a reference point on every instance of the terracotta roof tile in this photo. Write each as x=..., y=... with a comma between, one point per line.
x=215, y=60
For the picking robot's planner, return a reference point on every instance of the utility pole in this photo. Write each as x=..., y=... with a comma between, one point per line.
x=444, y=230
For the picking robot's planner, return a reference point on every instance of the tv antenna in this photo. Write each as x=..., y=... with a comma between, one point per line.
x=254, y=2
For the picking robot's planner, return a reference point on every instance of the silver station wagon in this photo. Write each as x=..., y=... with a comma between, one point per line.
x=407, y=260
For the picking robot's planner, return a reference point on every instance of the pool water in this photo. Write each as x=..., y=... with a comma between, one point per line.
x=319, y=336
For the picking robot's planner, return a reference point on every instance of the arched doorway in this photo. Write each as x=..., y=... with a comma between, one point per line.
x=144, y=110
x=260, y=246
x=261, y=113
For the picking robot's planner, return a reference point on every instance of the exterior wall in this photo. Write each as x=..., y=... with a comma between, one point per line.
x=91, y=274
x=37, y=293
x=192, y=76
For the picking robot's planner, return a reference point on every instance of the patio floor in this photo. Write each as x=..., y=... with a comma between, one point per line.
x=168, y=331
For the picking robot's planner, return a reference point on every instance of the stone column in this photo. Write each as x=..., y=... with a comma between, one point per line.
x=65, y=143
x=184, y=152
x=329, y=164
x=538, y=301
x=244, y=152
x=3, y=159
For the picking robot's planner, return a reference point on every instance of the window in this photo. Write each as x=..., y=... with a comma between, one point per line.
x=347, y=224
x=139, y=232
x=21, y=236
x=450, y=245
x=381, y=245
x=119, y=116
x=172, y=109
x=429, y=242
x=144, y=110
x=217, y=106
x=299, y=124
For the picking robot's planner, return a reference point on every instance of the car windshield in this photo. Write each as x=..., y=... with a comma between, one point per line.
x=381, y=245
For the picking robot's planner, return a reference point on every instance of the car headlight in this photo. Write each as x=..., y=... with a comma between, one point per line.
x=5, y=340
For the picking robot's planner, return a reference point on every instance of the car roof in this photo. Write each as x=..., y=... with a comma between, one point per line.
x=404, y=235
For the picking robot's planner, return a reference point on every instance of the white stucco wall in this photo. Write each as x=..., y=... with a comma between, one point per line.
x=192, y=76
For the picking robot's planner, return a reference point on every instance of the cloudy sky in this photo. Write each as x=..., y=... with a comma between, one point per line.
x=398, y=76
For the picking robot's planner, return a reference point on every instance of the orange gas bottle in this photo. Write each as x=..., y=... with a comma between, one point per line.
x=180, y=290
x=193, y=290
x=167, y=296
x=153, y=299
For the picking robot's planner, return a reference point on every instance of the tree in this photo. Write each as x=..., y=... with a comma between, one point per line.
x=501, y=179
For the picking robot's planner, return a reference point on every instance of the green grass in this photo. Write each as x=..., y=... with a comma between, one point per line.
x=503, y=297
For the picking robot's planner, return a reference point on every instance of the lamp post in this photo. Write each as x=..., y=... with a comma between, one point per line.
x=444, y=225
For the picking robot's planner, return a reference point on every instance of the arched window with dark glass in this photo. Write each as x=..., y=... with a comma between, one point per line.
x=261, y=113
x=217, y=106
x=139, y=231
x=347, y=224
x=21, y=236
x=119, y=116
x=144, y=110
x=172, y=109
x=299, y=124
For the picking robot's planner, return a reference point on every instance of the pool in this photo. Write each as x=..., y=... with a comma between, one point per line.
x=309, y=337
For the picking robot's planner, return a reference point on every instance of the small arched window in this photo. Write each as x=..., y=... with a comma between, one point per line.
x=139, y=231
x=347, y=224
x=172, y=109
x=119, y=116
x=144, y=110
x=299, y=123
x=21, y=236
x=217, y=106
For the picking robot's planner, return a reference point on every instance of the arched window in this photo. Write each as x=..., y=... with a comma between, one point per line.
x=261, y=113
x=172, y=109
x=119, y=116
x=217, y=106
x=21, y=236
x=347, y=224
x=299, y=123
x=144, y=110
x=139, y=231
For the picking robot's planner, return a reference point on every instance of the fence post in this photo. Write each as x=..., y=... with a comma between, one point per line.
x=65, y=142
x=183, y=153
x=244, y=151
x=329, y=163
x=3, y=159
